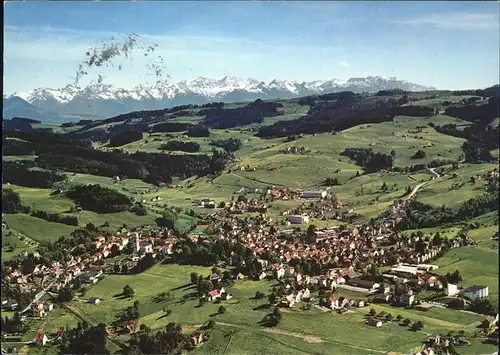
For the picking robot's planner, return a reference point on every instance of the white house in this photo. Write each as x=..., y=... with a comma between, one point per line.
x=298, y=219
x=451, y=290
x=279, y=273
x=476, y=291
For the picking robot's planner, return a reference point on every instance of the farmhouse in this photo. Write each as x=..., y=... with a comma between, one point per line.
x=215, y=294
x=473, y=292
x=94, y=300
x=374, y=323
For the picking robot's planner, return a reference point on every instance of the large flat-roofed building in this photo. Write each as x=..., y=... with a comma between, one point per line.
x=298, y=219
x=476, y=291
x=313, y=194
x=405, y=270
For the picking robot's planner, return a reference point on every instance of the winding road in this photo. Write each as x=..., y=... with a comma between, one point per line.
x=415, y=190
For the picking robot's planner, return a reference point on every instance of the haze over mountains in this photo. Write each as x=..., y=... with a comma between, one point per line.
x=102, y=100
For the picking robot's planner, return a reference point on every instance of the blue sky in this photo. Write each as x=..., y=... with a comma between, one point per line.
x=448, y=45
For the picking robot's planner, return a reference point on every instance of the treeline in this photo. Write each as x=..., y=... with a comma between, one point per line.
x=147, y=116
x=390, y=92
x=189, y=147
x=347, y=111
x=170, y=340
x=229, y=145
x=370, y=161
x=72, y=155
x=19, y=173
x=171, y=127
x=16, y=147
x=21, y=124
x=125, y=137
x=420, y=215
x=198, y=131
x=472, y=113
x=240, y=116
x=212, y=252
x=55, y=217
x=99, y=199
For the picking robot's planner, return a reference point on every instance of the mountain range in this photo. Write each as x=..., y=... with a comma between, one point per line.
x=101, y=100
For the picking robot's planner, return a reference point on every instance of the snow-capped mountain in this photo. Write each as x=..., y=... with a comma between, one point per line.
x=102, y=100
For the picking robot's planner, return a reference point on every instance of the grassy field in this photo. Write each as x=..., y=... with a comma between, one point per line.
x=7, y=158
x=455, y=191
x=36, y=228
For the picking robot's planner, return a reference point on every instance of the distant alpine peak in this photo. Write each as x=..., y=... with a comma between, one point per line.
x=213, y=89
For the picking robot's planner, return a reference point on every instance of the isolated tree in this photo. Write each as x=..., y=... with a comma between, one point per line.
x=128, y=291
x=393, y=153
x=194, y=278
x=272, y=298
x=373, y=312
x=136, y=305
x=124, y=269
x=221, y=310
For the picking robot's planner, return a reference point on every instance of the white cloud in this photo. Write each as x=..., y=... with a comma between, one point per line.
x=344, y=63
x=472, y=21
x=44, y=56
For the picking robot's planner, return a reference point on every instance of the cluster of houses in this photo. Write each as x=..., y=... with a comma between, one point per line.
x=294, y=150
x=218, y=292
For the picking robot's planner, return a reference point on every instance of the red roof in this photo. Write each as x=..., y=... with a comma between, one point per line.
x=214, y=293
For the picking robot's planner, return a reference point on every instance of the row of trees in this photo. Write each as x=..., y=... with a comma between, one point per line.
x=189, y=147
x=369, y=160
x=240, y=116
x=229, y=145
x=55, y=217
x=125, y=137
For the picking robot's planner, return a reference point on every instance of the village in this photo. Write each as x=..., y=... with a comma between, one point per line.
x=314, y=266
